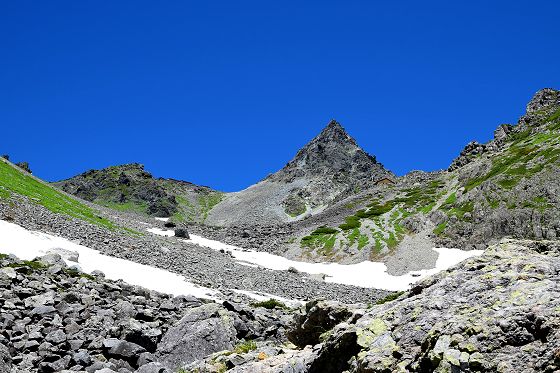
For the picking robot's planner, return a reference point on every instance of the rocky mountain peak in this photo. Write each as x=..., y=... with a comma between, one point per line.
x=331, y=152
x=544, y=99
x=334, y=132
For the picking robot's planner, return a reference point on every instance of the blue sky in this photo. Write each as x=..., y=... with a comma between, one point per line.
x=221, y=93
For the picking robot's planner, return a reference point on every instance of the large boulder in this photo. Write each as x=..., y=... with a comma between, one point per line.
x=202, y=331
x=494, y=313
x=182, y=233
x=317, y=318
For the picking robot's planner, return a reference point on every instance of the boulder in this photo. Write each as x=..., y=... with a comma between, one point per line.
x=153, y=368
x=123, y=349
x=317, y=318
x=182, y=233
x=202, y=331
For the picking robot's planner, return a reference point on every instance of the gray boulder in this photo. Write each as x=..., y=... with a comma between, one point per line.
x=182, y=233
x=202, y=331
x=153, y=368
x=317, y=318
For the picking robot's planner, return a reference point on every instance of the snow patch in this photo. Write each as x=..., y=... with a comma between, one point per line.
x=162, y=232
x=260, y=297
x=162, y=219
x=28, y=245
x=365, y=274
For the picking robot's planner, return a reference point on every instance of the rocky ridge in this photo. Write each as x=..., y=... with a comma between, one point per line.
x=504, y=188
x=130, y=187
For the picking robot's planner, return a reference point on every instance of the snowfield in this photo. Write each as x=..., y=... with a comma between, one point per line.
x=365, y=274
x=29, y=245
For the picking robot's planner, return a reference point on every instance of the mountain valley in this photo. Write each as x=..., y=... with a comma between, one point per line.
x=331, y=264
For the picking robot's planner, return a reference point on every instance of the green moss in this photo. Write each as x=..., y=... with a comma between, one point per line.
x=362, y=241
x=28, y=266
x=392, y=241
x=538, y=203
x=494, y=204
x=15, y=181
x=511, y=165
x=75, y=273
x=197, y=210
x=426, y=209
x=389, y=298
x=322, y=241
x=459, y=210
x=207, y=203
x=438, y=231
x=245, y=347
x=352, y=237
x=352, y=222
x=4, y=194
x=270, y=304
x=324, y=230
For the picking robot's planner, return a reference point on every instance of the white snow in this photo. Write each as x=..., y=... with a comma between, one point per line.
x=259, y=296
x=28, y=245
x=365, y=274
x=162, y=219
x=162, y=232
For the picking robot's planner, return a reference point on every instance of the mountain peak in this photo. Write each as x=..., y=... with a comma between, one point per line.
x=331, y=152
x=334, y=132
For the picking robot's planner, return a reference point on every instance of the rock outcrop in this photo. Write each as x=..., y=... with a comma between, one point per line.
x=201, y=331
x=494, y=313
x=130, y=187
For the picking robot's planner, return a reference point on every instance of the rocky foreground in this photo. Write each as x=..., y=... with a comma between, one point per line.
x=55, y=318
x=496, y=313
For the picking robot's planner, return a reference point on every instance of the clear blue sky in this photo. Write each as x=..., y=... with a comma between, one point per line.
x=221, y=93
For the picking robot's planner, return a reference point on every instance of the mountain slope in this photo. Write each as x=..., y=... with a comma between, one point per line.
x=505, y=188
x=330, y=167
x=131, y=188
x=16, y=181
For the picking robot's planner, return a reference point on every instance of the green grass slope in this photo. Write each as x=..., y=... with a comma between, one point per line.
x=16, y=181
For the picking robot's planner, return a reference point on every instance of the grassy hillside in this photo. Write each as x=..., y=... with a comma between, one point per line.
x=14, y=180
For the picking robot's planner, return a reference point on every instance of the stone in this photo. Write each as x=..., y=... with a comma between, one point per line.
x=5, y=359
x=153, y=368
x=317, y=318
x=56, y=337
x=182, y=233
x=202, y=330
x=123, y=349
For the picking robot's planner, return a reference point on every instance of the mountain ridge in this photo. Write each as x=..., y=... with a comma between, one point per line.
x=469, y=205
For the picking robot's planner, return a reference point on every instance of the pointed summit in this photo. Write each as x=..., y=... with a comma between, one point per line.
x=331, y=152
x=334, y=132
